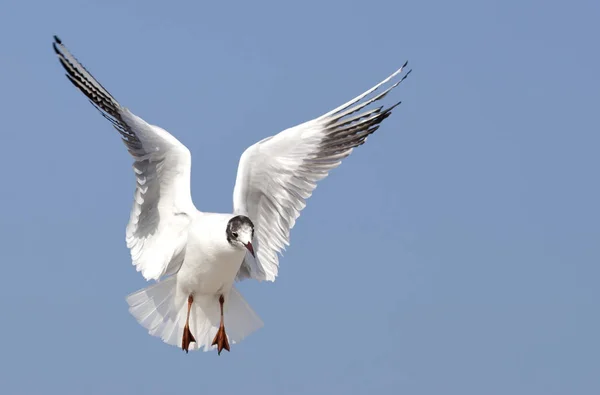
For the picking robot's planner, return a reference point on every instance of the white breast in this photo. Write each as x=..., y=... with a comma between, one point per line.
x=211, y=263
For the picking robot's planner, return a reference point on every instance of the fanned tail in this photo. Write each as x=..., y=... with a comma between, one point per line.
x=162, y=310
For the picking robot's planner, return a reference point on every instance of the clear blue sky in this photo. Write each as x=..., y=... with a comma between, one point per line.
x=457, y=252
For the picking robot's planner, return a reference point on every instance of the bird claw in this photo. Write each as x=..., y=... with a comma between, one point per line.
x=187, y=339
x=221, y=340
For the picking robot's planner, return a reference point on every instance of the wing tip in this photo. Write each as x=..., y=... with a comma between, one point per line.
x=57, y=39
x=394, y=106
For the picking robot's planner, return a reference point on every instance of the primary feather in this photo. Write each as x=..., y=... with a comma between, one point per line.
x=157, y=231
x=278, y=174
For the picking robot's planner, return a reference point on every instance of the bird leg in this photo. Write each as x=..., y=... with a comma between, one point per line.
x=221, y=337
x=187, y=334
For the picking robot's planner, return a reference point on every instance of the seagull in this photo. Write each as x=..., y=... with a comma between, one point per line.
x=195, y=257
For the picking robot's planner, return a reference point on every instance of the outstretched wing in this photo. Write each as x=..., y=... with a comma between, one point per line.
x=278, y=174
x=158, y=226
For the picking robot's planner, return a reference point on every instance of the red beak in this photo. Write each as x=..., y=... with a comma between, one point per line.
x=251, y=249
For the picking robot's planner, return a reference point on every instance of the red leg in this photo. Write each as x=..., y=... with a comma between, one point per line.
x=221, y=337
x=187, y=334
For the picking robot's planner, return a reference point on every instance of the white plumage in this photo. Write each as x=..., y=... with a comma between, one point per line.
x=201, y=255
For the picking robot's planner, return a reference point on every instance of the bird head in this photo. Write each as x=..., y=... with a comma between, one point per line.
x=240, y=232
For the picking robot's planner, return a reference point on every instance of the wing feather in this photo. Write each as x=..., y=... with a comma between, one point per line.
x=156, y=234
x=278, y=174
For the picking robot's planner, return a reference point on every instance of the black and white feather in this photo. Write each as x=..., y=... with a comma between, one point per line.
x=278, y=174
x=156, y=234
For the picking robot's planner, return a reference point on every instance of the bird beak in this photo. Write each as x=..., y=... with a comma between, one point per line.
x=250, y=248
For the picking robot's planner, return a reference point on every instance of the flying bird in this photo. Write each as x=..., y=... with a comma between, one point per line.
x=196, y=257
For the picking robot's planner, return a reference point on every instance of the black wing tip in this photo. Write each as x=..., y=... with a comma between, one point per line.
x=404, y=76
x=55, y=44
x=389, y=110
x=403, y=66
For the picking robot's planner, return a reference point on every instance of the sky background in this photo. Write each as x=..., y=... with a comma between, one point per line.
x=457, y=252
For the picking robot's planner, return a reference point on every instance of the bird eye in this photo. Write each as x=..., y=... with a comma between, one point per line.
x=235, y=234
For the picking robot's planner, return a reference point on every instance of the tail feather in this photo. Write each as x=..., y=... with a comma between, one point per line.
x=162, y=310
x=240, y=318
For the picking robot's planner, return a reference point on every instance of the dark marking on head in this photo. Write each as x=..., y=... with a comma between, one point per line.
x=235, y=224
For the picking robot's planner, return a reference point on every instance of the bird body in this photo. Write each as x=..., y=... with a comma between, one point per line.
x=210, y=263
x=196, y=257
